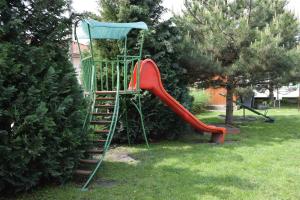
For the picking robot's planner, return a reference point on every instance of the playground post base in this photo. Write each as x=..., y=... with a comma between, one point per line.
x=217, y=138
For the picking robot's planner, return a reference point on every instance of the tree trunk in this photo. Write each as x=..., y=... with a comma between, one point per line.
x=271, y=94
x=229, y=105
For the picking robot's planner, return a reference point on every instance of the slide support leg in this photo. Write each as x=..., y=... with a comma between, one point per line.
x=139, y=109
x=126, y=121
x=217, y=138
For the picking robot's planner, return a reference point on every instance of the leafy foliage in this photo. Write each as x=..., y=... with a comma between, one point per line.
x=41, y=104
x=161, y=45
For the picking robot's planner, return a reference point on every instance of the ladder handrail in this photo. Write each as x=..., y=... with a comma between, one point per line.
x=89, y=86
x=111, y=131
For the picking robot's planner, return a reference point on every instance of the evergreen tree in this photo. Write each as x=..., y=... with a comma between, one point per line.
x=161, y=45
x=294, y=74
x=41, y=104
x=271, y=47
x=227, y=35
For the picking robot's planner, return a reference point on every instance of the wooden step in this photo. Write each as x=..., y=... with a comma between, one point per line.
x=104, y=106
x=105, y=99
x=83, y=172
x=100, y=122
x=101, y=114
x=114, y=92
x=102, y=131
x=95, y=151
x=99, y=141
x=88, y=161
x=106, y=92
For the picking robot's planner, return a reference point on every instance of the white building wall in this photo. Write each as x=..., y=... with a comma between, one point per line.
x=292, y=91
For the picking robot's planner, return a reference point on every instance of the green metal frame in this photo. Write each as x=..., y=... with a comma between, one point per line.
x=113, y=76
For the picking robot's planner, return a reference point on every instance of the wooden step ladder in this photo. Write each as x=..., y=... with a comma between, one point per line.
x=104, y=117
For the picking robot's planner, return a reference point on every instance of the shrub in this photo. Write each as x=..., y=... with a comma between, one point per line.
x=41, y=104
x=200, y=100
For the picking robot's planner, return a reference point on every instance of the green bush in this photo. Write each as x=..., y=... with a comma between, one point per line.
x=41, y=104
x=200, y=100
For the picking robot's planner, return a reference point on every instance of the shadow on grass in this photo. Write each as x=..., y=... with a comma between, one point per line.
x=260, y=133
x=184, y=170
x=256, y=132
x=191, y=170
x=162, y=174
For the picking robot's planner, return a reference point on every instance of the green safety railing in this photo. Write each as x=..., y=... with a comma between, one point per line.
x=89, y=83
x=111, y=128
x=107, y=76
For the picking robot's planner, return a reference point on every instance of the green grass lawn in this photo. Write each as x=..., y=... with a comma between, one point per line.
x=262, y=162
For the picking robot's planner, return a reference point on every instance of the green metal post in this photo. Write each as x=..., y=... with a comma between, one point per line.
x=139, y=92
x=93, y=62
x=138, y=108
x=101, y=74
x=126, y=121
x=76, y=38
x=125, y=64
x=106, y=74
x=139, y=62
x=112, y=75
x=131, y=68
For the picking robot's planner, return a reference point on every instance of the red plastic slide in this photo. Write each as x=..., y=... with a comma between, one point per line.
x=150, y=80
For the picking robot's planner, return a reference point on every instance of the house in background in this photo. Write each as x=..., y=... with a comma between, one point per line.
x=75, y=56
x=289, y=94
x=217, y=101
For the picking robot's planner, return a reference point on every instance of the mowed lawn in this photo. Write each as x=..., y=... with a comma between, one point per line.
x=262, y=162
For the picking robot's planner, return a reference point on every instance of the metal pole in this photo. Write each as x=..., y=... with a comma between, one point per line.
x=125, y=64
x=139, y=61
x=76, y=38
x=93, y=63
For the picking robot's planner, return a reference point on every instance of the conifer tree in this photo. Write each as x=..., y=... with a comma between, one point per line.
x=41, y=104
x=231, y=38
x=273, y=42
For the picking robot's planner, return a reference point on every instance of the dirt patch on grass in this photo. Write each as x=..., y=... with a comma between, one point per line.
x=121, y=154
x=105, y=182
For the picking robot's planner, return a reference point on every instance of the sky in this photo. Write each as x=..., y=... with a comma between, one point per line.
x=172, y=5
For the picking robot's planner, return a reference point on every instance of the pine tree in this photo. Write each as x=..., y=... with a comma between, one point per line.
x=272, y=45
x=225, y=34
x=161, y=45
x=41, y=104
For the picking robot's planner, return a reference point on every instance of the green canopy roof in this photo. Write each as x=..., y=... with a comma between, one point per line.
x=107, y=30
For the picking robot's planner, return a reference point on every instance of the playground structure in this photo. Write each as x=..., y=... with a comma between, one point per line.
x=247, y=107
x=106, y=82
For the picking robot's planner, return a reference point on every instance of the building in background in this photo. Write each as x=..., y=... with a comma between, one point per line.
x=216, y=101
x=75, y=55
x=289, y=94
